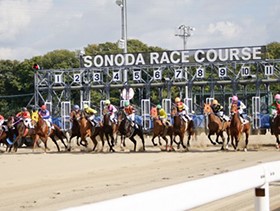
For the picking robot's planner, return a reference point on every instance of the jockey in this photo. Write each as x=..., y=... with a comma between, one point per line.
x=218, y=110
x=45, y=114
x=2, y=119
x=240, y=105
x=130, y=113
x=24, y=115
x=162, y=115
x=273, y=106
x=91, y=114
x=34, y=114
x=112, y=111
x=181, y=108
x=75, y=112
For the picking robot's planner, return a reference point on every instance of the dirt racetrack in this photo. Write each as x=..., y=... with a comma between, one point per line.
x=52, y=181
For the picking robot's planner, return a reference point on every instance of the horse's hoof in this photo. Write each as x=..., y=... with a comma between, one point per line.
x=245, y=149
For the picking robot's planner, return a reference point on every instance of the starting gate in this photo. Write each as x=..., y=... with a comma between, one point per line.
x=65, y=115
x=145, y=113
x=208, y=101
x=166, y=105
x=256, y=112
x=189, y=104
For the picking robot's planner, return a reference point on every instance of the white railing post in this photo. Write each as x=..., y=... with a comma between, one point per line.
x=262, y=193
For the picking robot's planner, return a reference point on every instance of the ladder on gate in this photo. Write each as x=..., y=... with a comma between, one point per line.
x=65, y=115
x=145, y=113
x=256, y=112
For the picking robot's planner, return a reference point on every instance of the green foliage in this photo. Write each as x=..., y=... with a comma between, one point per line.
x=17, y=77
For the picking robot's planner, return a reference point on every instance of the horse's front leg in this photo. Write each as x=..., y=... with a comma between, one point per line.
x=155, y=144
x=36, y=139
x=277, y=140
x=209, y=137
x=182, y=141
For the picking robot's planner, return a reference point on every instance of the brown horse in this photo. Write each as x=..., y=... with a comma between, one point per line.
x=87, y=130
x=275, y=126
x=75, y=129
x=41, y=132
x=21, y=133
x=216, y=126
x=109, y=129
x=237, y=128
x=180, y=127
x=125, y=129
x=159, y=130
x=58, y=133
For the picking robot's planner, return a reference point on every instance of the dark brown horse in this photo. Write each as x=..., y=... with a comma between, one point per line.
x=75, y=129
x=159, y=130
x=55, y=133
x=275, y=126
x=180, y=127
x=87, y=130
x=237, y=128
x=126, y=130
x=216, y=126
x=109, y=128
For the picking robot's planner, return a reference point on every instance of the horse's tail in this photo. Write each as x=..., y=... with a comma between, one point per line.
x=191, y=129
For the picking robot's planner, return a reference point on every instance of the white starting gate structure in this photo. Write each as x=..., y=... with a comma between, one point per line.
x=166, y=105
x=65, y=115
x=145, y=113
x=189, y=104
x=256, y=112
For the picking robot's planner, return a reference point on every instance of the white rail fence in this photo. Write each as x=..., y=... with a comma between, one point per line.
x=195, y=193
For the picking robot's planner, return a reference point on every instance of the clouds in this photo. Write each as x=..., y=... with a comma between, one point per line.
x=35, y=27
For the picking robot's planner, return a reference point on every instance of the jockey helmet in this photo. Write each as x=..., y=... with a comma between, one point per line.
x=24, y=109
x=76, y=107
x=234, y=98
x=126, y=103
x=215, y=102
x=107, y=102
x=177, y=100
x=44, y=107
x=158, y=106
x=277, y=97
x=86, y=106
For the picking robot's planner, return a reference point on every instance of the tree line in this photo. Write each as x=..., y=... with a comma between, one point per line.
x=17, y=77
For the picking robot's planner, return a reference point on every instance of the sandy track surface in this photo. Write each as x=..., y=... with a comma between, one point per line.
x=52, y=181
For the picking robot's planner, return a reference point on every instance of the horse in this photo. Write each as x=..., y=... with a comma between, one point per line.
x=109, y=128
x=275, y=126
x=180, y=127
x=87, y=130
x=216, y=126
x=7, y=132
x=75, y=129
x=21, y=132
x=57, y=132
x=126, y=130
x=159, y=130
x=237, y=128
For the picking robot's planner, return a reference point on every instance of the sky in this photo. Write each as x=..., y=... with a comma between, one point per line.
x=31, y=28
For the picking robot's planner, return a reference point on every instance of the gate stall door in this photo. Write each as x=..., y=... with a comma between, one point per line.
x=145, y=112
x=256, y=112
x=65, y=115
x=189, y=104
x=166, y=105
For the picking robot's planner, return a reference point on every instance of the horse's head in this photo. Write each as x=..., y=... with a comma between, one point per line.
x=278, y=108
x=233, y=108
x=174, y=111
x=207, y=109
x=153, y=113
